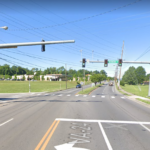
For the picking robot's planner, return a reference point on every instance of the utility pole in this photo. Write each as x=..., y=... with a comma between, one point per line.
x=66, y=75
x=120, y=66
x=149, y=87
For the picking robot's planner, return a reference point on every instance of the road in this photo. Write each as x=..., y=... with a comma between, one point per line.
x=104, y=120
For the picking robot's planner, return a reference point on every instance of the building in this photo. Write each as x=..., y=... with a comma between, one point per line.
x=51, y=77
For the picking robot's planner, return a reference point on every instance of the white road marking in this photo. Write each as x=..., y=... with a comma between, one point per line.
x=77, y=95
x=105, y=137
x=93, y=96
x=38, y=94
x=123, y=97
x=84, y=95
x=145, y=127
x=103, y=121
x=112, y=89
x=32, y=93
x=112, y=97
x=102, y=96
x=68, y=146
x=68, y=95
x=6, y=122
x=60, y=95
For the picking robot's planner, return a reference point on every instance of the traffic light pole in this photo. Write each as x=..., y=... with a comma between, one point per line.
x=120, y=66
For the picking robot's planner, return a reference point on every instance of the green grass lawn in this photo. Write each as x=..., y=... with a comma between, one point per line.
x=142, y=90
x=35, y=86
x=88, y=90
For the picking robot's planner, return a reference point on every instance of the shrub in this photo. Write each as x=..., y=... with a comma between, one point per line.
x=122, y=83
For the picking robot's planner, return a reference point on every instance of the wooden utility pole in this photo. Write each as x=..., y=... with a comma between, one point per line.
x=120, y=66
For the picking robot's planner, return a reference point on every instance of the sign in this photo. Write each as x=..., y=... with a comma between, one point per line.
x=81, y=83
x=88, y=61
x=112, y=61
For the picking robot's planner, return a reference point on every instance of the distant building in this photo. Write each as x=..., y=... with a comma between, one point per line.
x=20, y=77
x=51, y=77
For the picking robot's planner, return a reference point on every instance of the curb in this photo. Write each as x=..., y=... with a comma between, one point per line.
x=135, y=100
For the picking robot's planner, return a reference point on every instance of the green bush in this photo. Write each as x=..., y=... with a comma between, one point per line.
x=122, y=83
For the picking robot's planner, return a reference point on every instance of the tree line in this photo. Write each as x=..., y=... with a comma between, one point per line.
x=135, y=76
x=7, y=71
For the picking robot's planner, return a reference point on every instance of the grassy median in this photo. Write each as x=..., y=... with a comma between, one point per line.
x=35, y=86
x=88, y=90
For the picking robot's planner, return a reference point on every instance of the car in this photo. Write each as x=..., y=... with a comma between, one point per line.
x=78, y=86
x=111, y=84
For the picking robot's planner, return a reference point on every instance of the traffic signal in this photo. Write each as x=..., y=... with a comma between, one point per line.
x=43, y=46
x=120, y=62
x=106, y=63
x=83, y=62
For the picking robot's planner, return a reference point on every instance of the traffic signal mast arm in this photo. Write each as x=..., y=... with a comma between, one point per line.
x=128, y=62
x=15, y=45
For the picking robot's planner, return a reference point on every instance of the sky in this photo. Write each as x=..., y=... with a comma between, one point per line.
x=98, y=28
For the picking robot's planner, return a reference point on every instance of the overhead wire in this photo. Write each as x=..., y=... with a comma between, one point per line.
x=82, y=19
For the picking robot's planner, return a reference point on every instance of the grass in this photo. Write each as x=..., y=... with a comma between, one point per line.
x=147, y=102
x=124, y=93
x=141, y=90
x=88, y=90
x=35, y=86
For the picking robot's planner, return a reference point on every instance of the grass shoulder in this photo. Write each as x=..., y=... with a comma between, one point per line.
x=89, y=90
x=147, y=102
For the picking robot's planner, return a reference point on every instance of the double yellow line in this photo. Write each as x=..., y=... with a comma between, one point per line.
x=48, y=134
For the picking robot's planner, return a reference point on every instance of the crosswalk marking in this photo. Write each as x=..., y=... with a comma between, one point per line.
x=77, y=95
x=102, y=96
x=68, y=95
x=93, y=96
x=60, y=95
x=112, y=97
x=84, y=95
x=123, y=97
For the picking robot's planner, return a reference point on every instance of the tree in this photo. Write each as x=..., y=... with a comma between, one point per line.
x=15, y=77
x=97, y=78
x=23, y=77
x=103, y=72
x=129, y=76
x=42, y=77
x=140, y=74
x=147, y=77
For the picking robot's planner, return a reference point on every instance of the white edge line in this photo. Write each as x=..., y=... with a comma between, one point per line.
x=145, y=127
x=6, y=122
x=102, y=121
x=105, y=136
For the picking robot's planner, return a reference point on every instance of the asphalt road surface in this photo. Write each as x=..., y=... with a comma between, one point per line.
x=104, y=120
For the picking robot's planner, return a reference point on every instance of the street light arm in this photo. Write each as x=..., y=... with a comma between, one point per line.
x=5, y=27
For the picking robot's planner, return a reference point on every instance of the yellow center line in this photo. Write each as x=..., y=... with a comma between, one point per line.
x=49, y=137
x=44, y=137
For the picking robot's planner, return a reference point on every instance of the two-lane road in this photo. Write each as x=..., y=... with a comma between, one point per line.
x=64, y=121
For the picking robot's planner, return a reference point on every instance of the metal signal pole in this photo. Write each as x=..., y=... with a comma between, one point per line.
x=120, y=66
x=66, y=76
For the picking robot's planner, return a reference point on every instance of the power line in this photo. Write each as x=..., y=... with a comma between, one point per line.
x=82, y=19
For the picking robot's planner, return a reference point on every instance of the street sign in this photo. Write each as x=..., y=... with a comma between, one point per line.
x=81, y=83
x=88, y=61
x=112, y=61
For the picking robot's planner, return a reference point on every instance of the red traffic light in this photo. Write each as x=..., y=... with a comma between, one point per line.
x=106, y=63
x=120, y=62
